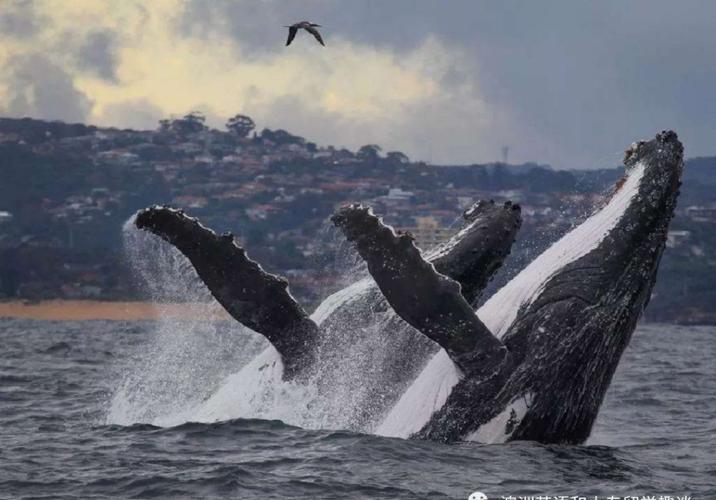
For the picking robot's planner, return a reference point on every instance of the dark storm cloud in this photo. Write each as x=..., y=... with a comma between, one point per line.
x=19, y=19
x=39, y=88
x=585, y=77
x=97, y=53
x=257, y=25
x=593, y=76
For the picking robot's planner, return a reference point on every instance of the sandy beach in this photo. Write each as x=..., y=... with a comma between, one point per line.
x=79, y=310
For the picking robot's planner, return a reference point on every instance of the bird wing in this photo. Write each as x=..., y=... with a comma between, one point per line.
x=291, y=34
x=315, y=33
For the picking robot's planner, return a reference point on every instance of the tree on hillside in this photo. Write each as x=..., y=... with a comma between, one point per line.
x=165, y=125
x=240, y=125
x=190, y=123
x=193, y=122
x=280, y=136
x=369, y=152
x=397, y=157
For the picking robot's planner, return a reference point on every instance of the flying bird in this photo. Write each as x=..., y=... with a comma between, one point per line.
x=306, y=25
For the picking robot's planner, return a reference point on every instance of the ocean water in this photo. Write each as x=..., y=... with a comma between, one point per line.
x=656, y=433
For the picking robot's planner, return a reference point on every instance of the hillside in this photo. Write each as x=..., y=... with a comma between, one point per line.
x=67, y=189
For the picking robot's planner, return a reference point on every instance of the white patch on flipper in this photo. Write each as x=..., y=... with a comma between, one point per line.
x=421, y=399
x=501, y=309
x=445, y=248
x=333, y=302
x=501, y=427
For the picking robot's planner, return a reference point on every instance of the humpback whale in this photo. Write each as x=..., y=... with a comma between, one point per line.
x=262, y=302
x=534, y=362
x=546, y=345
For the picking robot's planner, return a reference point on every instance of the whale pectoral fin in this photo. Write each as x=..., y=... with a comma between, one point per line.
x=255, y=298
x=473, y=255
x=427, y=300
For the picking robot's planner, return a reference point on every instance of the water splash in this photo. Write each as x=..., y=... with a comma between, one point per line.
x=337, y=263
x=362, y=366
x=184, y=361
x=208, y=370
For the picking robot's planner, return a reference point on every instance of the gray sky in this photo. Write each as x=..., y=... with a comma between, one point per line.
x=569, y=83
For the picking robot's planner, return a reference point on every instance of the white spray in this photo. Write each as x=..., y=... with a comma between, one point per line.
x=183, y=361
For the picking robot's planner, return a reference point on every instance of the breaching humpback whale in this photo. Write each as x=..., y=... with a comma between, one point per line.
x=261, y=301
x=534, y=362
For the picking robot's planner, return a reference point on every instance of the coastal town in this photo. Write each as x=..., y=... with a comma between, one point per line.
x=68, y=189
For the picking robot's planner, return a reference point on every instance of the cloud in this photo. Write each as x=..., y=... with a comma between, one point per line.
x=19, y=19
x=425, y=102
x=138, y=114
x=349, y=95
x=569, y=83
x=257, y=28
x=98, y=54
x=35, y=86
x=577, y=81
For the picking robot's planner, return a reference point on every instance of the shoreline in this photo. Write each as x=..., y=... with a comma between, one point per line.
x=87, y=310
x=84, y=310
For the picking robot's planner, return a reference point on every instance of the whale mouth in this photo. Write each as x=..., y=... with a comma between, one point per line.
x=666, y=144
x=653, y=207
x=635, y=215
x=663, y=158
